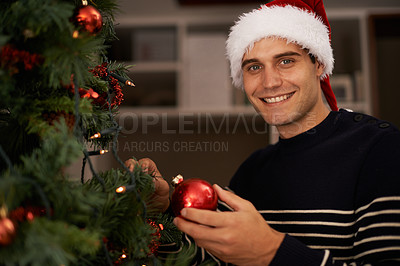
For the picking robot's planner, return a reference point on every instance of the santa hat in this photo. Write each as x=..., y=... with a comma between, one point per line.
x=303, y=22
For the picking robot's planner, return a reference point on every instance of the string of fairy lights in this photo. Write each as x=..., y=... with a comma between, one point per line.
x=114, y=130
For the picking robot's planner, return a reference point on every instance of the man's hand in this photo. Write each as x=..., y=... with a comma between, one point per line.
x=160, y=199
x=241, y=237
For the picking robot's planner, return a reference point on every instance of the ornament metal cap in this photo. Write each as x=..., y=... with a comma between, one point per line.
x=176, y=180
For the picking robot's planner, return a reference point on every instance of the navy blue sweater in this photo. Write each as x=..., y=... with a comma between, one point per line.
x=335, y=191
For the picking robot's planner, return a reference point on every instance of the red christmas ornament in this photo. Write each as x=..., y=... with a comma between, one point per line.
x=7, y=231
x=193, y=193
x=89, y=18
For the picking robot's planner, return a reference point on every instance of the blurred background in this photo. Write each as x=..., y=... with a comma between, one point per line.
x=184, y=113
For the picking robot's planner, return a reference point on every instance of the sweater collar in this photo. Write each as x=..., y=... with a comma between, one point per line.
x=312, y=136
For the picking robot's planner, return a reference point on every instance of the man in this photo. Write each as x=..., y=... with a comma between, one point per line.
x=328, y=193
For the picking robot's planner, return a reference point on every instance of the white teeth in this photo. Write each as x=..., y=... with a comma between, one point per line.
x=278, y=99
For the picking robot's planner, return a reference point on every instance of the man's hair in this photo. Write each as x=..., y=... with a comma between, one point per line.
x=312, y=57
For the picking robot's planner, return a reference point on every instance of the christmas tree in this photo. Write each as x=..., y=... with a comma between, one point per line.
x=59, y=95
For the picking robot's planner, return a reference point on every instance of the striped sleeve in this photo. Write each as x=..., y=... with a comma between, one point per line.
x=317, y=231
x=378, y=235
x=377, y=238
x=369, y=235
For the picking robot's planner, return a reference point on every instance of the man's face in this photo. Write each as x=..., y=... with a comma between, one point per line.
x=282, y=83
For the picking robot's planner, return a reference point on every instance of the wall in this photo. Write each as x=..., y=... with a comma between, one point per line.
x=385, y=40
x=171, y=7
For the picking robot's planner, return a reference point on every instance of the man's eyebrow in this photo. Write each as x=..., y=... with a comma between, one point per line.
x=249, y=61
x=290, y=53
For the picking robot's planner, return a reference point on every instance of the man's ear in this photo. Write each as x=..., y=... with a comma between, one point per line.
x=320, y=68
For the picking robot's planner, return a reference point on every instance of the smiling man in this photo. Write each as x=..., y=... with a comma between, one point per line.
x=328, y=193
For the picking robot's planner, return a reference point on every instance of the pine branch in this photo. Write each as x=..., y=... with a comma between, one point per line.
x=71, y=57
x=28, y=18
x=170, y=233
x=83, y=224
x=57, y=242
x=130, y=233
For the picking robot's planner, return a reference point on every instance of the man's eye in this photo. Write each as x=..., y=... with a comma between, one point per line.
x=254, y=68
x=286, y=61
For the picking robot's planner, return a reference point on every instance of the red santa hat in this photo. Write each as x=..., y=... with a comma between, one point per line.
x=303, y=22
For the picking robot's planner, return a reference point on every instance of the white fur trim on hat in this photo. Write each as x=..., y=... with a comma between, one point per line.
x=288, y=22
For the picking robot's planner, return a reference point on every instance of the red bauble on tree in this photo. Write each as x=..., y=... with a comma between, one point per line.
x=7, y=228
x=7, y=231
x=89, y=19
x=193, y=193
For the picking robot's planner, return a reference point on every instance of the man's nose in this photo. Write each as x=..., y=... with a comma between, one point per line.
x=272, y=78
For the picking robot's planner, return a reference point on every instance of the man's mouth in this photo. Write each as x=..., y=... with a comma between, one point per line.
x=278, y=99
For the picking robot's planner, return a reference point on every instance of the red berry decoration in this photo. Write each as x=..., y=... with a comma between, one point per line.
x=156, y=236
x=89, y=18
x=193, y=193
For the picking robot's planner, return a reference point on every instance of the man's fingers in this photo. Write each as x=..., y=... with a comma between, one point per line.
x=204, y=217
x=229, y=198
x=130, y=164
x=161, y=186
x=148, y=166
x=145, y=164
x=195, y=230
